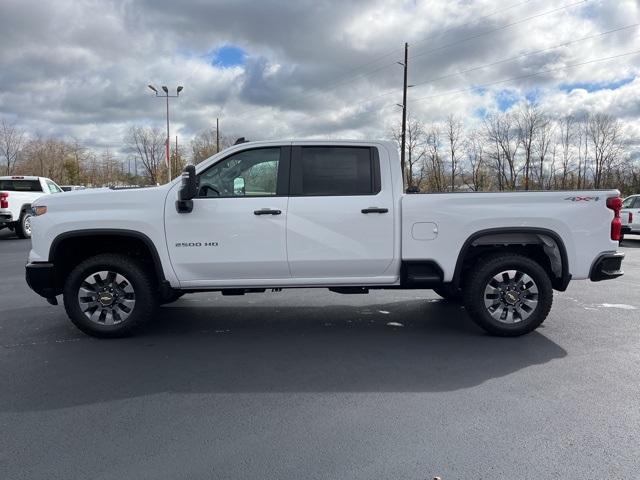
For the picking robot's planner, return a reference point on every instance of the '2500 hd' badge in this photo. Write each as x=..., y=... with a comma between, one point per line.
x=196, y=244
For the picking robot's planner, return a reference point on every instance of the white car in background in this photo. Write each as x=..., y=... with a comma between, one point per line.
x=17, y=193
x=630, y=215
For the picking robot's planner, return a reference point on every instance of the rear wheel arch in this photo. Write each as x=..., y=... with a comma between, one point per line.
x=545, y=246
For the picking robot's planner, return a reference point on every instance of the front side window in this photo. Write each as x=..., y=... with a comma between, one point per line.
x=334, y=171
x=53, y=188
x=252, y=173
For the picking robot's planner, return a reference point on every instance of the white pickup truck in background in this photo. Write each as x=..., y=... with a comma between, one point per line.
x=17, y=193
x=630, y=215
x=316, y=214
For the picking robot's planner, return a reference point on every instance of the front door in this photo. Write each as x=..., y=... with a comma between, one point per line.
x=237, y=229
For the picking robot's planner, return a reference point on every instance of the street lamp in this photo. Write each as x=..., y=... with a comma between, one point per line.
x=167, y=96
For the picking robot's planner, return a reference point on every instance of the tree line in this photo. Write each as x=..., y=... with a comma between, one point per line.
x=141, y=160
x=523, y=149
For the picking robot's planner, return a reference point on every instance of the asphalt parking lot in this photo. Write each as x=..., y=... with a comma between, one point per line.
x=307, y=384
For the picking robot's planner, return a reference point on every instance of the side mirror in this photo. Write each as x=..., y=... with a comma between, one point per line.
x=188, y=190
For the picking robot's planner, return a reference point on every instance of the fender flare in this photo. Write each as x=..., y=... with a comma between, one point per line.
x=115, y=232
x=560, y=283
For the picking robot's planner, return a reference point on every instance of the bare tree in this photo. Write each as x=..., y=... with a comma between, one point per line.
x=204, y=145
x=11, y=141
x=604, y=133
x=543, y=137
x=148, y=145
x=528, y=120
x=435, y=164
x=454, y=138
x=566, y=136
x=415, y=151
x=502, y=134
x=476, y=159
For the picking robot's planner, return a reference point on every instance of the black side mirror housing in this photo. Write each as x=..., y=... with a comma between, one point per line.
x=188, y=190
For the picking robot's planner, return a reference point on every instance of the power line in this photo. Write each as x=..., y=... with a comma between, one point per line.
x=497, y=62
x=510, y=59
x=521, y=77
x=503, y=27
x=352, y=78
x=347, y=79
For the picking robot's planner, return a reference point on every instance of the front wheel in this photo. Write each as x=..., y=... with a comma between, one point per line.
x=23, y=226
x=109, y=295
x=508, y=295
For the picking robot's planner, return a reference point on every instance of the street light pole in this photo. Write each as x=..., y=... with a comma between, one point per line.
x=167, y=141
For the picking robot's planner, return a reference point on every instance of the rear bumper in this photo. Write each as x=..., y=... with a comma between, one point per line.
x=5, y=218
x=626, y=229
x=41, y=278
x=606, y=267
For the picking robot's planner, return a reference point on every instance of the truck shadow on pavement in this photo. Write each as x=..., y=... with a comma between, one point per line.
x=258, y=349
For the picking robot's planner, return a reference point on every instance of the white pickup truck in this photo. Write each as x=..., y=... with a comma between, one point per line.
x=631, y=215
x=332, y=214
x=17, y=193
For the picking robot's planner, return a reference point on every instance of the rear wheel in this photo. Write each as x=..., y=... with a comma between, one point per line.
x=508, y=295
x=109, y=296
x=23, y=226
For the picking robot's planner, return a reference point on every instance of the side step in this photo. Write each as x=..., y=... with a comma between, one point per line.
x=350, y=290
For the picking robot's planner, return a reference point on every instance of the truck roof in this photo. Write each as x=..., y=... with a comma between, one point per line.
x=19, y=177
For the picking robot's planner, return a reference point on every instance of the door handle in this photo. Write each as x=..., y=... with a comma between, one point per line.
x=374, y=210
x=267, y=211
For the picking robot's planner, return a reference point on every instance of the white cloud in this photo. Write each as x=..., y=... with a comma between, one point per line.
x=313, y=69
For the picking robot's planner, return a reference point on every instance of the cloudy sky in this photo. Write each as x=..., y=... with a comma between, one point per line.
x=308, y=68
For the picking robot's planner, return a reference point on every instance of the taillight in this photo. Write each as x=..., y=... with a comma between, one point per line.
x=630, y=217
x=4, y=200
x=615, y=204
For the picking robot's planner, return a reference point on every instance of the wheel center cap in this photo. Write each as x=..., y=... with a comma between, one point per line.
x=511, y=298
x=105, y=299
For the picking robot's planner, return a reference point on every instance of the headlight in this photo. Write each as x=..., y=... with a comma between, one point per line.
x=39, y=210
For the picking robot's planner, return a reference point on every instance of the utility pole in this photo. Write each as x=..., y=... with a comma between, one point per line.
x=176, y=151
x=217, y=136
x=404, y=111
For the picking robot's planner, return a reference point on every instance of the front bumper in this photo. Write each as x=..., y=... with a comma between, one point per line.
x=41, y=278
x=607, y=266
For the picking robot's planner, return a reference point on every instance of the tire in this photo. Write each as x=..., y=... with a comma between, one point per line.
x=508, y=306
x=121, y=309
x=173, y=296
x=450, y=294
x=23, y=225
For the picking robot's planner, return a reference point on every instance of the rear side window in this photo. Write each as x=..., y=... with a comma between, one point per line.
x=20, y=185
x=340, y=171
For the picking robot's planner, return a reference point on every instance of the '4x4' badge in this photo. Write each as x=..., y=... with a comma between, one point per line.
x=583, y=199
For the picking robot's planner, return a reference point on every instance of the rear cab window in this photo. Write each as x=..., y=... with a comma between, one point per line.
x=334, y=171
x=15, y=185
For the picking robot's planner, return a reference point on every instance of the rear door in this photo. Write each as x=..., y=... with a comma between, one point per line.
x=341, y=214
